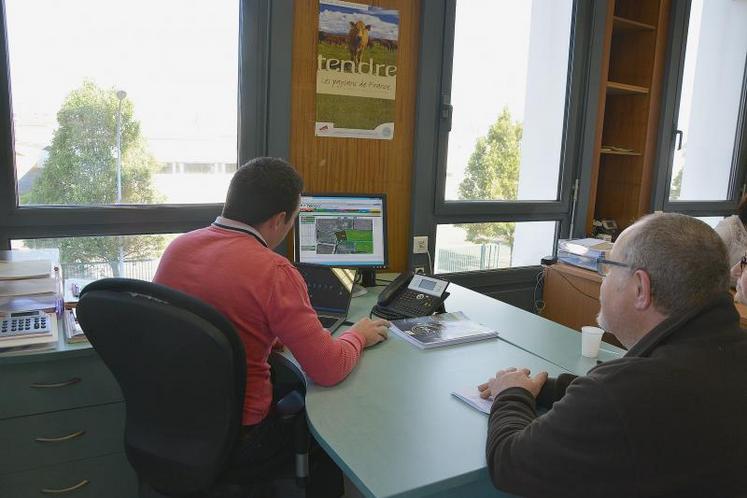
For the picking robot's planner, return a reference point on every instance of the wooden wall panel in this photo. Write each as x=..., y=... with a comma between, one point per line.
x=358, y=165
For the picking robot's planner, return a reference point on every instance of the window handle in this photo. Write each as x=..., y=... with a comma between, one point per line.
x=678, y=134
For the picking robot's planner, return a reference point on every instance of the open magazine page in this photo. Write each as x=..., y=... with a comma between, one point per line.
x=442, y=329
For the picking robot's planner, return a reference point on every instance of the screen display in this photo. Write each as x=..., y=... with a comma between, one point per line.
x=341, y=231
x=427, y=284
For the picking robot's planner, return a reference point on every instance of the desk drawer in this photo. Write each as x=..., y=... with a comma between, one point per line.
x=39, y=387
x=52, y=438
x=110, y=476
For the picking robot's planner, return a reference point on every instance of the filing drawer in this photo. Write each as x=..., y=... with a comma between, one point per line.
x=52, y=438
x=42, y=387
x=110, y=476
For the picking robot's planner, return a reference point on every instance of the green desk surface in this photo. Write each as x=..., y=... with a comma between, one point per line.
x=393, y=426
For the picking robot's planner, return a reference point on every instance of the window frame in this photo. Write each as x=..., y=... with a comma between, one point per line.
x=263, y=107
x=667, y=138
x=431, y=138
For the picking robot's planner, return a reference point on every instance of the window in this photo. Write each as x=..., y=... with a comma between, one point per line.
x=710, y=94
x=125, y=123
x=508, y=92
x=85, y=259
x=118, y=104
x=457, y=250
x=703, y=147
x=511, y=99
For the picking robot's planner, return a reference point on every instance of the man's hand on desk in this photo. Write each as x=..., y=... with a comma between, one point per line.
x=374, y=331
x=512, y=377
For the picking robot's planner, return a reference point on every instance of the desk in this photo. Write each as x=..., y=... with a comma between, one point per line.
x=392, y=425
x=66, y=391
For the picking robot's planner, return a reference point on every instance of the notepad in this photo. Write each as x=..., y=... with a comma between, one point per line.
x=471, y=396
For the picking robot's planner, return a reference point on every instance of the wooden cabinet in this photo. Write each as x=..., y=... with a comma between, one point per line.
x=629, y=108
x=62, y=426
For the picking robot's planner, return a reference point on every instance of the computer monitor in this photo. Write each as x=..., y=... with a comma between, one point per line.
x=343, y=230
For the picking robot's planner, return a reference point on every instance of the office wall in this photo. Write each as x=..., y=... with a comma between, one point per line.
x=357, y=165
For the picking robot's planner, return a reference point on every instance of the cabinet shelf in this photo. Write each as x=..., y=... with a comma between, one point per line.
x=624, y=25
x=615, y=88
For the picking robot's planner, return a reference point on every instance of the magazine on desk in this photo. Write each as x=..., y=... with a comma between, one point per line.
x=433, y=331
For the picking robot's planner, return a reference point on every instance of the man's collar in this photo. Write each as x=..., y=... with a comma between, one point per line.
x=702, y=318
x=220, y=220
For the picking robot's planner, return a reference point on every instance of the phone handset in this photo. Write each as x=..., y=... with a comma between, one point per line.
x=411, y=295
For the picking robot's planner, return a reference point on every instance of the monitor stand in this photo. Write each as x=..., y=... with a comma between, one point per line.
x=368, y=279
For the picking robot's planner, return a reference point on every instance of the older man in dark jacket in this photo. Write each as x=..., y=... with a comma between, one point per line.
x=667, y=419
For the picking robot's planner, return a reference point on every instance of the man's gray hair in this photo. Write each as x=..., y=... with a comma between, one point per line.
x=685, y=259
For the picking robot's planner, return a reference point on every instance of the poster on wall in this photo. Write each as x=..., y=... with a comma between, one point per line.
x=356, y=77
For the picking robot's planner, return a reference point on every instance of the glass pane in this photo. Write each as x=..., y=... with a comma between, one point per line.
x=488, y=246
x=508, y=93
x=152, y=83
x=85, y=259
x=709, y=105
x=712, y=221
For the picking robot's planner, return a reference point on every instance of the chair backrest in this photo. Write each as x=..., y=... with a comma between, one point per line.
x=181, y=368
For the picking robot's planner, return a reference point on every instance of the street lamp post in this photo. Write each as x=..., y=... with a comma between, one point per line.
x=121, y=94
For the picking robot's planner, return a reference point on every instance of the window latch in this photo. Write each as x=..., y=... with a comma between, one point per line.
x=446, y=110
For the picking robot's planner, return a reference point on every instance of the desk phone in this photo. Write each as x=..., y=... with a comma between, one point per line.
x=24, y=324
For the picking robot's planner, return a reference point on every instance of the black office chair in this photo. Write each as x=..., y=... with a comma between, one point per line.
x=181, y=368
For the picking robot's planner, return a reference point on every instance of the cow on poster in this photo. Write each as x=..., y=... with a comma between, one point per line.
x=356, y=78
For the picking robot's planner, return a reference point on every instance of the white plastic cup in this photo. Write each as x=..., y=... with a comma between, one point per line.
x=591, y=339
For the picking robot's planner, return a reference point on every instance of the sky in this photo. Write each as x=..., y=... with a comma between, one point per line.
x=490, y=71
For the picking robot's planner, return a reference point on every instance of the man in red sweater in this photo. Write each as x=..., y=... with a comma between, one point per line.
x=231, y=265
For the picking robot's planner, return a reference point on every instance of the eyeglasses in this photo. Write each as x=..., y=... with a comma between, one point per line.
x=604, y=266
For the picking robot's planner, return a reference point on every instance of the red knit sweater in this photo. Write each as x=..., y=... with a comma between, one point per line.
x=265, y=298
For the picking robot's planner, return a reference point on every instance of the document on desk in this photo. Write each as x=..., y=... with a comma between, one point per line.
x=471, y=396
x=27, y=287
x=12, y=270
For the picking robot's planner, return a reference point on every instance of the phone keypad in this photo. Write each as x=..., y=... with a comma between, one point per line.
x=413, y=303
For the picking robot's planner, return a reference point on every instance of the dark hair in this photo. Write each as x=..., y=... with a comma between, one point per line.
x=262, y=188
x=742, y=210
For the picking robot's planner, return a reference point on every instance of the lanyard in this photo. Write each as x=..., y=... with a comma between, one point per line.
x=237, y=229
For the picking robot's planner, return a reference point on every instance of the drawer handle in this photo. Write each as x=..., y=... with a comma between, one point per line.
x=59, y=439
x=55, y=385
x=63, y=491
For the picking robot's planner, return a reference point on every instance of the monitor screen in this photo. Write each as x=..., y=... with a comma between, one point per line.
x=342, y=230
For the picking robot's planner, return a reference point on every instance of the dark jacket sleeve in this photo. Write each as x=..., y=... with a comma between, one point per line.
x=554, y=389
x=578, y=448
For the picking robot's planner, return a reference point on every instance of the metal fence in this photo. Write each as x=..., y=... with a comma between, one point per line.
x=142, y=270
x=473, y=257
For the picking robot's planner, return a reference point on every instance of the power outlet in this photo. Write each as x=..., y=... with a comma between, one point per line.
x=420, y=270
x=420, y=244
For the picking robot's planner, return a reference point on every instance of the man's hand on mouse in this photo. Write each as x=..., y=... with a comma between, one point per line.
x=512, y=377
x=374, y=331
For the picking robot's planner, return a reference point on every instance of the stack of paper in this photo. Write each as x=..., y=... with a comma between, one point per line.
x=26, y=285
x=73, y=332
